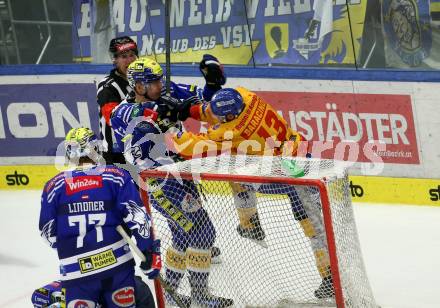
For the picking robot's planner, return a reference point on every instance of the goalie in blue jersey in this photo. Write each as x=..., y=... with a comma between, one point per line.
x=139, y=123
x=80, y=210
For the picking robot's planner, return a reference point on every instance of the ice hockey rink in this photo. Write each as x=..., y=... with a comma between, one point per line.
x=400, y=246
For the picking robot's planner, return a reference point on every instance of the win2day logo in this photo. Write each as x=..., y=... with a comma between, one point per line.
x=17, y=179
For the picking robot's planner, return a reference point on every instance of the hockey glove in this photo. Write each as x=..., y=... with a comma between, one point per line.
x=153, y=263
x=176, y=109
x=167, y=110
x=212, y=70
x=170, y=101
x=185, y=107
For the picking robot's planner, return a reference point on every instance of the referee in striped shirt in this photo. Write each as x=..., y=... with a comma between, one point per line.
x=112, y=91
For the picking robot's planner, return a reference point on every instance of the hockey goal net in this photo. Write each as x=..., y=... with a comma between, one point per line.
x=284, y=228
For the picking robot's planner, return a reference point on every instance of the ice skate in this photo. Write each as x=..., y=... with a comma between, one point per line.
x=216, y=255
x=205, y=299
x=184, y=301
x=255, y=234
x=325, y=289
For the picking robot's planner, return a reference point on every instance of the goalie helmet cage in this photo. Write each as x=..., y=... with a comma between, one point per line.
x=286, y=273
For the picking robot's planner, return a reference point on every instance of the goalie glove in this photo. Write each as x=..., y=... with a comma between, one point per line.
x=212, y=70
x=152, y=265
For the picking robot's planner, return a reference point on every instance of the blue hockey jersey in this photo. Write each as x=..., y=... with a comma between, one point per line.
x=80, y=211
x=140, y=138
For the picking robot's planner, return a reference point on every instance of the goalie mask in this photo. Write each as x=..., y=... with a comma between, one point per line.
x=145, y=71
x=81, y=142
x=227, y=104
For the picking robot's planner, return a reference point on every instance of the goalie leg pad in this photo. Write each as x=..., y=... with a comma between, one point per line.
x=318, y=242
x=319, y=247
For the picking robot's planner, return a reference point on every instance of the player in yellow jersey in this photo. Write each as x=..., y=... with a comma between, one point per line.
x=244, y=115
x=239, y=116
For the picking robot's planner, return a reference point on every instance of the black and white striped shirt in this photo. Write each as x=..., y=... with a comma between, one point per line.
x=112, y=90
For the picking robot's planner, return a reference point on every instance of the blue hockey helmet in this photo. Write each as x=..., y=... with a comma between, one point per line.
x=227, y=104
x=143, y=70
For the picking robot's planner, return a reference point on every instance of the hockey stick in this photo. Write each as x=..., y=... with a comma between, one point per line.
x=167, y=47
x=139, y=253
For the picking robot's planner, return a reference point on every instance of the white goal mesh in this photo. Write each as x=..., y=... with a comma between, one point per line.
x=284, y=241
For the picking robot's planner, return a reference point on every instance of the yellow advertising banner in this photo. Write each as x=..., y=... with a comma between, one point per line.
x=371, y=189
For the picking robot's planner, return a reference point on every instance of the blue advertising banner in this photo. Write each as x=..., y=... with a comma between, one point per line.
x=81, y=31
x=35, y=118
x=285, y=32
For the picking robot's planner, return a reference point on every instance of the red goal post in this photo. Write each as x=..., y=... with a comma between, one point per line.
x=350, y=282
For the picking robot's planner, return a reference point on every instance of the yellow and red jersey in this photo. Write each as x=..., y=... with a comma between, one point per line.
x=258, y=130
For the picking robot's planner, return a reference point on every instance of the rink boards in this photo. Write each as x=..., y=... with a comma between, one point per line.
x=371, y=189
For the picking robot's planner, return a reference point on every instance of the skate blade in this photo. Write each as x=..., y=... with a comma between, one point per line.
x=261, y=243
x=216, y=260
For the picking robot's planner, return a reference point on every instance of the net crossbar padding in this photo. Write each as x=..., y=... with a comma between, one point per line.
x=289, y=271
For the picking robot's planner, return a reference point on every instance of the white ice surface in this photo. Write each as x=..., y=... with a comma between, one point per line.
x=400, y=245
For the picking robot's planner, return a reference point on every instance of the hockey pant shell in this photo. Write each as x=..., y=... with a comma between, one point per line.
x=113, y=292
